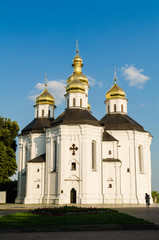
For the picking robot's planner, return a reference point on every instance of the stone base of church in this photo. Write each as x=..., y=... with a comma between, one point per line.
x=19, y=199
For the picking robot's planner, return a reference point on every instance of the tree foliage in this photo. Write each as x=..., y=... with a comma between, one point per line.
x=155, y=194
x=8, y=133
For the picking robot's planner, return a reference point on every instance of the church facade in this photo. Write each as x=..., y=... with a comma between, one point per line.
x=76, y=158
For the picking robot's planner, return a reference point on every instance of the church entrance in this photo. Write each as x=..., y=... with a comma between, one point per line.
x=73, y=195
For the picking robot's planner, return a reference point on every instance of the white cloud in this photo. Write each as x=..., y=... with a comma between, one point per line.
x=142, y=105
x=92, y=81
x=55, y=87
x=134, y=76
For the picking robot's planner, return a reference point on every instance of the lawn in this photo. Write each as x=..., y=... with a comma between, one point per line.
x=44, y=219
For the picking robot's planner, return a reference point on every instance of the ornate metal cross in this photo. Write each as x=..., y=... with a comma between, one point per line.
x=73, y=148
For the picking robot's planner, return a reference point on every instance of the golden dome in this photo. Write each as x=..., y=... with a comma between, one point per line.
x=115, y=92
x=75, y=86
x=45, y=97
x=89, y=107
x=77, y=65
x=80, y=77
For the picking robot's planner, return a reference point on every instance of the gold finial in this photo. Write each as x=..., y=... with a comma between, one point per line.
x=115, y=75
x=46, y=80
x=77, y=47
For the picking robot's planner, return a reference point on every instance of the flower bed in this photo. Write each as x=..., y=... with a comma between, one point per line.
x=70, y=210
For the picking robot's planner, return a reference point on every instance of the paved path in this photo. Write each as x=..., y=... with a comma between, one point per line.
x=151, y=215
x=101, y=235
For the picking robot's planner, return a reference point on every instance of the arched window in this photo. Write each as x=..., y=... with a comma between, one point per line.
x=73, y=166
x=93, y=155
x=54, y=155
x=80, y=102
x=74, y=102
x=114, y=107
x=38, y=186
x=67, y=103
x=49, y=113
x=141, y=160
x=122, y=108
x=108, y=109
x=109, y=152
x=42, y=112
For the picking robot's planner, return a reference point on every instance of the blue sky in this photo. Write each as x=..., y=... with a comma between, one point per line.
x=40, y=36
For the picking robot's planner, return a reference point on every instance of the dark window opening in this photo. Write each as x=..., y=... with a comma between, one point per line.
x=114, y=107
x=73, y=166
x=122, y=108
x=74, y=102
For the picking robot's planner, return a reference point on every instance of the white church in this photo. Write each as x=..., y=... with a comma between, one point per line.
x=78, y=159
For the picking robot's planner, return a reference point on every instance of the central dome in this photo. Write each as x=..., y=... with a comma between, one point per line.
x=75, y=86
x=77, y=65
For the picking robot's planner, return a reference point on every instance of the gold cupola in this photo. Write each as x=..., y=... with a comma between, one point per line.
x=115, y=92
x=45, y=97
x=75, y=86
x=77, y=65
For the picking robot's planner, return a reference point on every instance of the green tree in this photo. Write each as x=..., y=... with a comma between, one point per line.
x=155, y=194
x=8, y=133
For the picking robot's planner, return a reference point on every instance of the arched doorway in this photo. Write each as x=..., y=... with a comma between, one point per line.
x=73, y=196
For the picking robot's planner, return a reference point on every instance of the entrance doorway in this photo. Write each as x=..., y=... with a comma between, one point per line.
x=73, y=195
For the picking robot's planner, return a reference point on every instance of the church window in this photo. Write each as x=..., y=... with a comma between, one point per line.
x=49, y=113
x=128, y=169
x=38, y=186
x=38, y=170
x=122, y=108
x=55, y=155
x=26, y=154
x=93, y=155
x=80, y=102
x=37, y=113
x=140, y=157
x=42, y=112
x=74, y=102
x=67, y=103
x=109, y=152
x=114, y=107
x=110, y=185
x=73, y=166
x=108, y=109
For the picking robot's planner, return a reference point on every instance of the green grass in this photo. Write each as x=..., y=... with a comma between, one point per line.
x=32, y=220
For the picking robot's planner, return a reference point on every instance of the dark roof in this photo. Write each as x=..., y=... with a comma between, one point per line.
x=108, y=137
x=37, y=125
x=75, y=116
x=111, y=160
x=120, y=122
x=38, y=159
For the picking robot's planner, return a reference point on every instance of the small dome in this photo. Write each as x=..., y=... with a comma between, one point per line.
x=89, y=107
x=115, y=92
x=77, y=59
x=75, y=86
x=45, y=98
